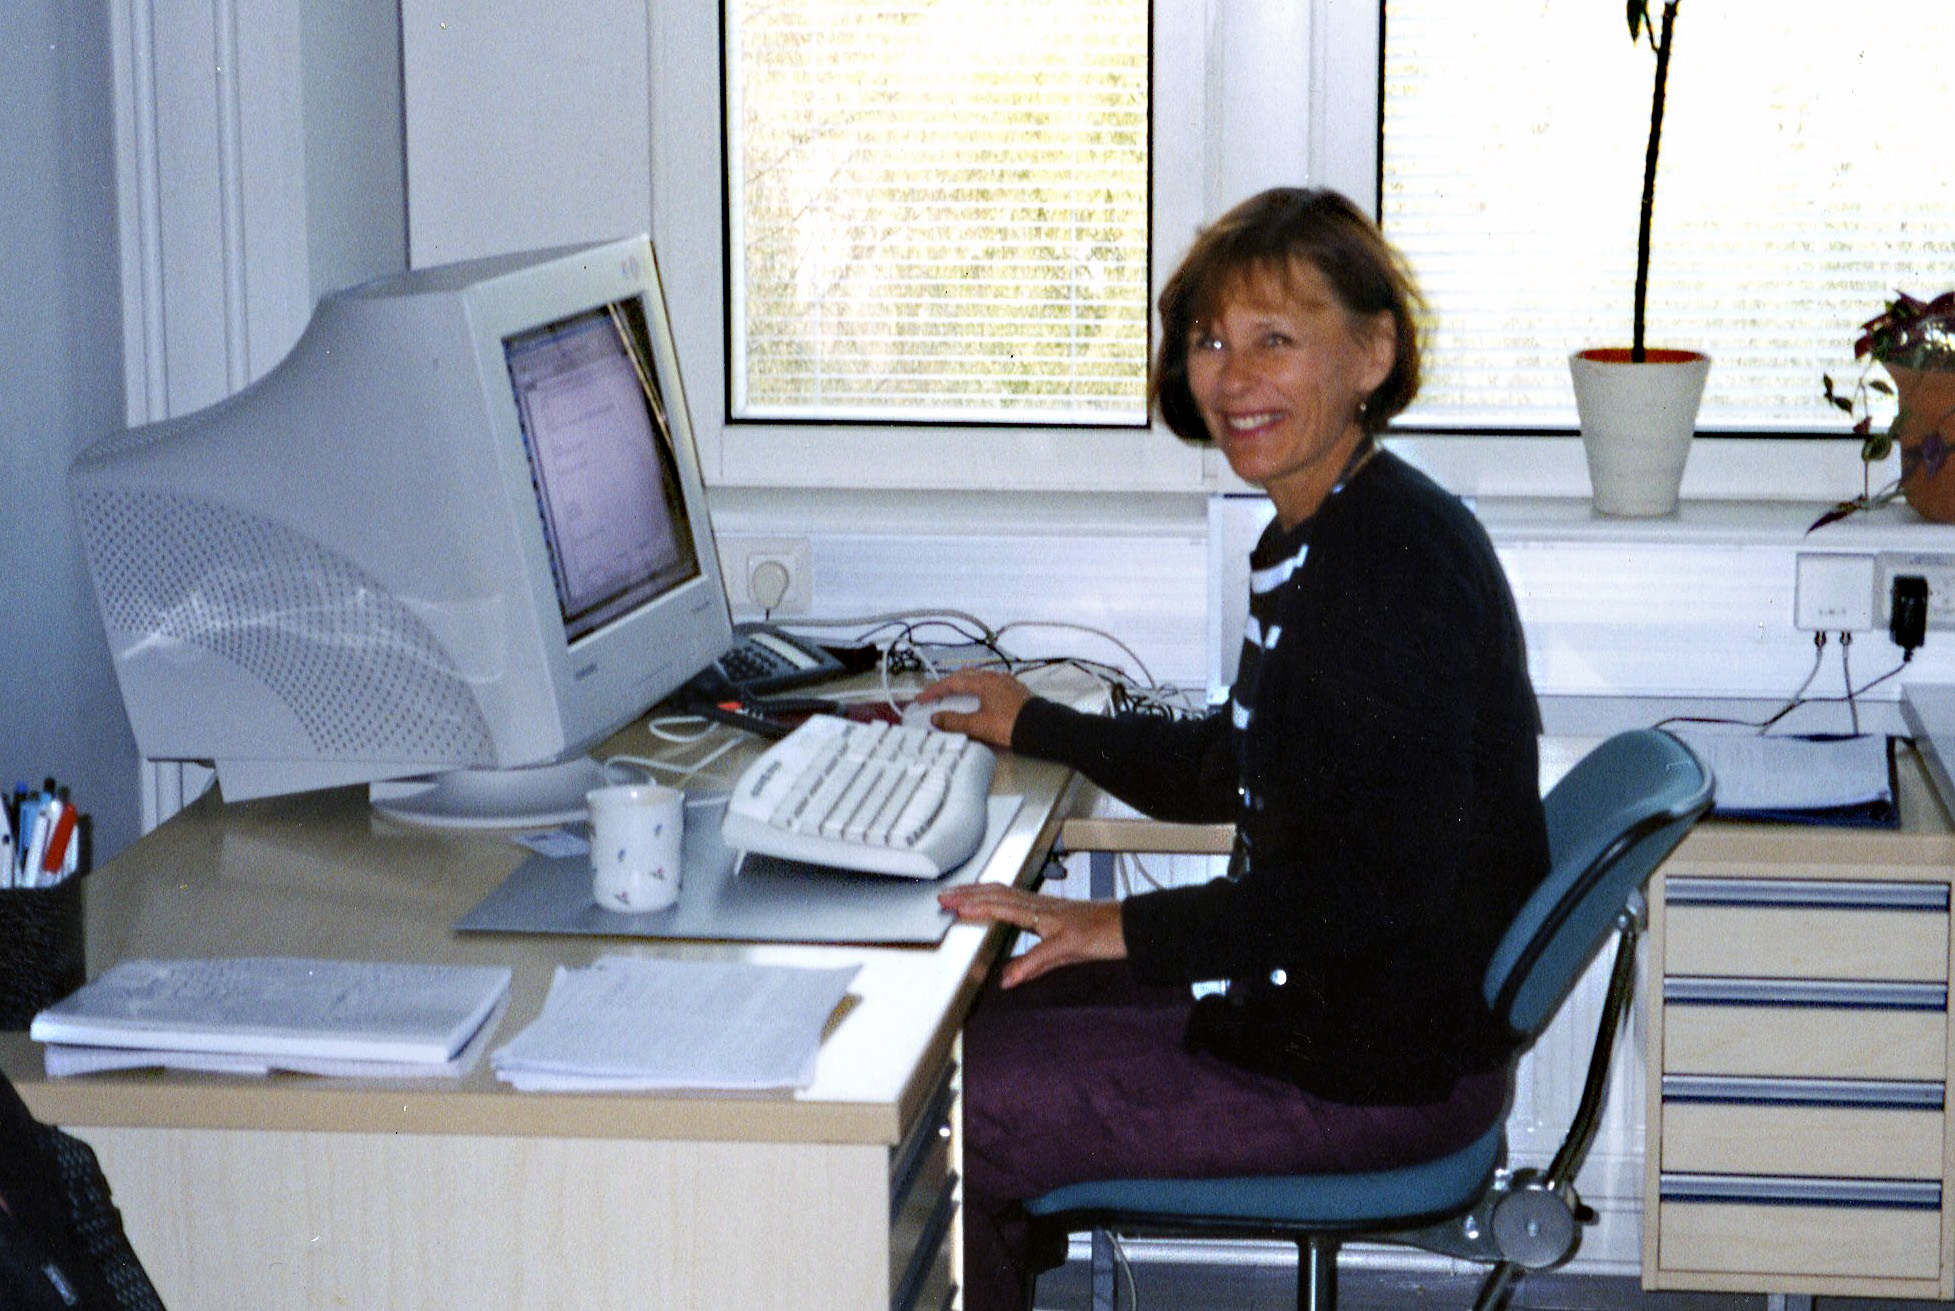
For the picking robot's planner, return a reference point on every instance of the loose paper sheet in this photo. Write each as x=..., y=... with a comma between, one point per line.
x=634, y=1023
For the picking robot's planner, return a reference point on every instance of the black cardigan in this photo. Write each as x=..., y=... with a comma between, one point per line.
x=1385, y=788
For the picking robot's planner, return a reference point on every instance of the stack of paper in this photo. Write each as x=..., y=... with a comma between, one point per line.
x=1823, y=779
x=633, y=1023
x=255, y=1015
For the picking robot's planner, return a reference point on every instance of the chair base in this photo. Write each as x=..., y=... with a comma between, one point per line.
x=1317, y=1277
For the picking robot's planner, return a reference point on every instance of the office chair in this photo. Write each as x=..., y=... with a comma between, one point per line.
x=95, y=1221
x=1611, y=821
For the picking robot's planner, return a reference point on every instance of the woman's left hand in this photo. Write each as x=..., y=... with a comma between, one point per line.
x=1069, y=932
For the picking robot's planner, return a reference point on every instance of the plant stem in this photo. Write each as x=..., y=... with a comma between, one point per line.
x=1636, y=351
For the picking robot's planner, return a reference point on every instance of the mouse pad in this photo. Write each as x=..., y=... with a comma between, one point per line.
x=755, y=899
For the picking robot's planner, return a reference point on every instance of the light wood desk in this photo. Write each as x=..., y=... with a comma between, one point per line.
x=295, y=1192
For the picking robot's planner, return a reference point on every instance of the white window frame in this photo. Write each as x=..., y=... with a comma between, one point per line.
x=688, y=224
x=1234, y=111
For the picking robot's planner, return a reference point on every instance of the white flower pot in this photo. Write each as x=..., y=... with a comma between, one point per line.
x=1637, y=422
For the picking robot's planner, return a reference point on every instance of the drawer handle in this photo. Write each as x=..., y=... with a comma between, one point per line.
x=1691, y=989
x=930, y=1129
x=1842, y=894
x=1883, y=1094
x=1895, y=1194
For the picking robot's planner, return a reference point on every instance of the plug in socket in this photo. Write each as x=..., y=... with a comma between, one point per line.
x=1907, y=611
x=1938, y=571
x=763, y=569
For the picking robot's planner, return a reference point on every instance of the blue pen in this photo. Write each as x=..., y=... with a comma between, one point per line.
x=30, y=804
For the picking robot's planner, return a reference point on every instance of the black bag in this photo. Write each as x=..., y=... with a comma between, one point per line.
x=62, y=1246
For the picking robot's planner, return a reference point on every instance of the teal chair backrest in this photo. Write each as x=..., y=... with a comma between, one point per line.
x=1611, y=821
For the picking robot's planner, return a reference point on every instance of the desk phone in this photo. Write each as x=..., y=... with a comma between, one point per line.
x=765, y=659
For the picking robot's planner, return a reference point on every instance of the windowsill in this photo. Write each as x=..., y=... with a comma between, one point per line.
x=1745, y=486
x=1705, y=522
x=1701, y=521
x=1819, y=471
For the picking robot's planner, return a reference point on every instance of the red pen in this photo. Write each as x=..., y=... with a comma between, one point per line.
x=59, y=836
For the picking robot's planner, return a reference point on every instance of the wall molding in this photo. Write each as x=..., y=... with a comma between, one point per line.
x=139, y=208
x=226, y=95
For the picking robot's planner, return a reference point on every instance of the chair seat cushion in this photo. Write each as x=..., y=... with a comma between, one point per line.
x=1445, y=1186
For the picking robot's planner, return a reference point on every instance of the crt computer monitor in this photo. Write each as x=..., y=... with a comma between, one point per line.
x=454, y=539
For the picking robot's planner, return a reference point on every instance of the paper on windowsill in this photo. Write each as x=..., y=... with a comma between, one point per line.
x=629, y=1023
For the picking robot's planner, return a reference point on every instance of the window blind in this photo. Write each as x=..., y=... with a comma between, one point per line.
x=938, y=210
x=1803, y=179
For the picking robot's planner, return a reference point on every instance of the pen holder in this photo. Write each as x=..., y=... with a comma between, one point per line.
x=42, y=949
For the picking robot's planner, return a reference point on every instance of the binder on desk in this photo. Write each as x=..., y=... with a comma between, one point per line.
x=280, y=1010
x=1834, y=779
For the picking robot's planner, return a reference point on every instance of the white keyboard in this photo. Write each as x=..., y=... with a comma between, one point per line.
x=874, y=797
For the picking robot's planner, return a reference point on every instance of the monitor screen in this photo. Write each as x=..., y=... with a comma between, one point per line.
x=601, y=461
x=456, y=538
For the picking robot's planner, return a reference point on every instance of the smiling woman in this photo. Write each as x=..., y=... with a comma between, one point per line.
x=1377, y=757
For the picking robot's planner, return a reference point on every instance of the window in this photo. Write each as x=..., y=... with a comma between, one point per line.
x=1802, y=180
x=938, y=210
x=830, y=352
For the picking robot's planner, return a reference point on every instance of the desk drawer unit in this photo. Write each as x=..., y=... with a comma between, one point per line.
x=1799, y=1061
x=922, y=1205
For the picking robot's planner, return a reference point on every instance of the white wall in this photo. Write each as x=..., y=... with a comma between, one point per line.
x=61, y=377
x=491, y=87
x=258, y=166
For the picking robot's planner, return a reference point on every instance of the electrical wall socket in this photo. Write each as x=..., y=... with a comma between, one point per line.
x=1834, y=593
x=1938, y=570
x=742, y=558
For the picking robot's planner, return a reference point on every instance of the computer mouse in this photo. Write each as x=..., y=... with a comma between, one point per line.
x=917, y=713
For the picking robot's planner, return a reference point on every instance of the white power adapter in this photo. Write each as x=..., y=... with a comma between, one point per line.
x=1834, y=593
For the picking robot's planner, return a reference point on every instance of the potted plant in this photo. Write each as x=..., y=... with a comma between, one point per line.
x=1638, y=406
x=1913, y=342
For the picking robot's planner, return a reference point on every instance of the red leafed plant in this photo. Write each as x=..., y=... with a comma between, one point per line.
x=1910, y=333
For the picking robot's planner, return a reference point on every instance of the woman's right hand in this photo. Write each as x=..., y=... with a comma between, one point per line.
x=1000, y=698
x=1069, y=932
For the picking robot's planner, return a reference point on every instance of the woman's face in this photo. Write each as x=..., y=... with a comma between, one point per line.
x=1278, y=372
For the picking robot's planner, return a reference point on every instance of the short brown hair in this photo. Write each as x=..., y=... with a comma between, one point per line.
x=1269, y=233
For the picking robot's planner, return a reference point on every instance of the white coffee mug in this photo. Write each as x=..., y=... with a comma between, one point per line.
x=637, y=835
